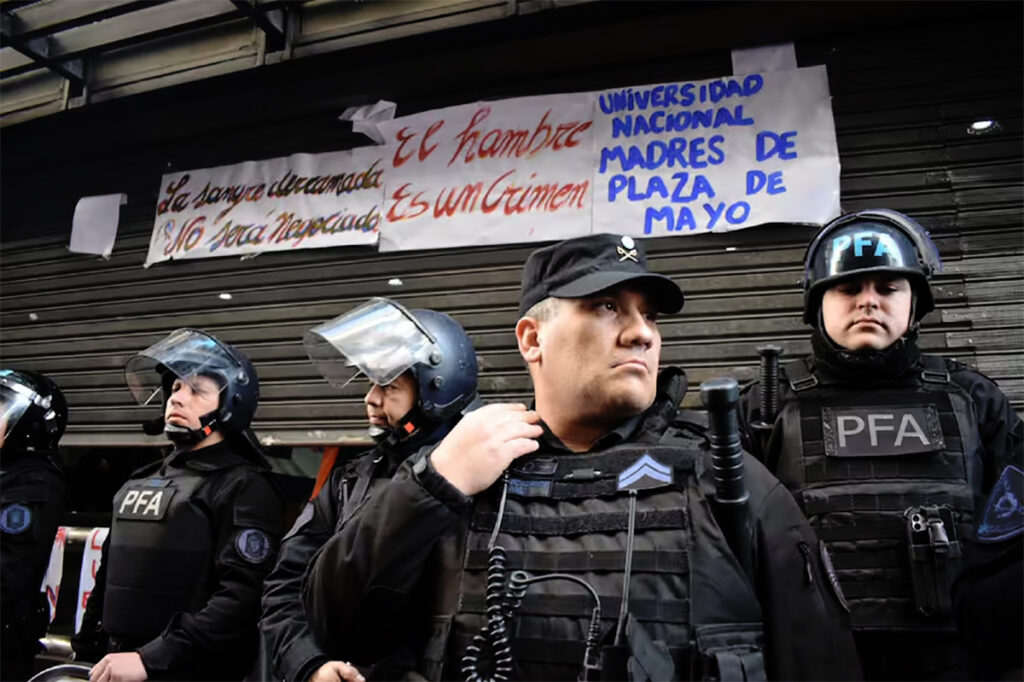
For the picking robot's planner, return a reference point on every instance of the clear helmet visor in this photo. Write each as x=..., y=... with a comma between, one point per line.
x=380, y=339
x=14, y=400
x=189, y=355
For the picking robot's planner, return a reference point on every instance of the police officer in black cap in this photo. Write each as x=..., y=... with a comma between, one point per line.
x=890, y=452
x=193, y=535
x=422, y=370
x=33, y=415
x=577, y=539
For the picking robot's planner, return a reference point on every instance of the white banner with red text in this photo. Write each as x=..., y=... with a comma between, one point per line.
x=300, y=201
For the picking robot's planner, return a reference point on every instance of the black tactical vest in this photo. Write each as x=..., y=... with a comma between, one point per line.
x=160, y=553
x=569, y=513
x=887, y=477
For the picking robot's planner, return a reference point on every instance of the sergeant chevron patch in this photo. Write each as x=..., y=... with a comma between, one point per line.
x=645, y=472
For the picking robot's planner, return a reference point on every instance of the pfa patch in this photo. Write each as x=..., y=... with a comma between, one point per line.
x=253, y=545
x=645, y=472
x=885, y=431
x=1003, y=517
x=15, y=519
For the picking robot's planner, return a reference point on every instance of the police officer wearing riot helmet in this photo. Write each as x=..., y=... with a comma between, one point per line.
x=422, y=369
x=33, y=415
x=193, y=535
x=605, y=501
x=890, y=452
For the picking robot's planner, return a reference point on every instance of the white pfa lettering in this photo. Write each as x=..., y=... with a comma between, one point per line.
x=910, y=428
x=154, y=504
x=128, y=499
x=874, y=427
x=841, y=422
x=144, y=502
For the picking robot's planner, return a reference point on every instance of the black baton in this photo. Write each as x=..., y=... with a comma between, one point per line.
x=720, y=397
x=769, y=383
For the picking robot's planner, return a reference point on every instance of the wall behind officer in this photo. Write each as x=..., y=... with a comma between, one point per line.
x=843, y=444
x=589, y=334
x=193, y=535
x=423, y=371
x=33, y=415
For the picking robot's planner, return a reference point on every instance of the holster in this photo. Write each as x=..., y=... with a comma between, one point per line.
x=935, y=557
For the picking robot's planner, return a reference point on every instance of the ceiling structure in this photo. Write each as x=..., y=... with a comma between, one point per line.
x=57, y=55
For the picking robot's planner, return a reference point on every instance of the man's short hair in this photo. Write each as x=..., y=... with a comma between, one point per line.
x=543, y=310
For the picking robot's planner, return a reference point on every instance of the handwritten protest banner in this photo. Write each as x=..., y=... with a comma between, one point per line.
x=299, y=201
x=717, y=155
x=515, y=170
x=650, y=161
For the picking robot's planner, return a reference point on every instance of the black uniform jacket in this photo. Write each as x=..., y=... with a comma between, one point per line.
x=390, y=564
x=294, y=652
x=220, y=640
x=1001, y=430
x=31, y=505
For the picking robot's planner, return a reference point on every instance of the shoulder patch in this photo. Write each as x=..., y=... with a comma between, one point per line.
x=253, y=545
x=15, y=519
x=1003, y=517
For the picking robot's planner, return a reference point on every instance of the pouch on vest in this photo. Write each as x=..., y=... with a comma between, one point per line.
x=935, y=557
x=434, y=649
x=730, y=651
x=640, y=659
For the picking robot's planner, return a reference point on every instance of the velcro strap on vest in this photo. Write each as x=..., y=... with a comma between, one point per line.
x=821, y=468
x=657, y=561
x=848, y=561
x=563, y=490
x=874, y=531
x=676, y=611
x=518, y=524
x=935, y=370
x=586, y=467
x=732, y=651
x=800, y=378
x=957, y=497
x=876, y=589
x=740, y=666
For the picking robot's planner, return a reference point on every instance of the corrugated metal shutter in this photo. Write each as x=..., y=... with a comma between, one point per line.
x=901, y=108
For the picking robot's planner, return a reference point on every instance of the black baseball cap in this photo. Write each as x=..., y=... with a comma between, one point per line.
x=586, y=265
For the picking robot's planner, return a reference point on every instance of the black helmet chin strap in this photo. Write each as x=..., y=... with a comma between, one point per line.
x=184, y=436
x=408, y=426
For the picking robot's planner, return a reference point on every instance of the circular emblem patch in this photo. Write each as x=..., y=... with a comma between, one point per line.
x=628, y=242
x=15, y=519
x=253, y=545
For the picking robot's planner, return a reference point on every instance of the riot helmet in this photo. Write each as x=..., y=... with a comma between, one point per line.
x=33, y=411
x=185, y=354
x=381, y=339
x=875, y=240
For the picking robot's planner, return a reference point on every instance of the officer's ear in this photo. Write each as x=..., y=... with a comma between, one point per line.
x=528, y=337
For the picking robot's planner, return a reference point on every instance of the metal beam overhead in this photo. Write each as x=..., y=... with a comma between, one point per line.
x=39, y=50
x=270, y=22
x=175, y=16
x=59, y=15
